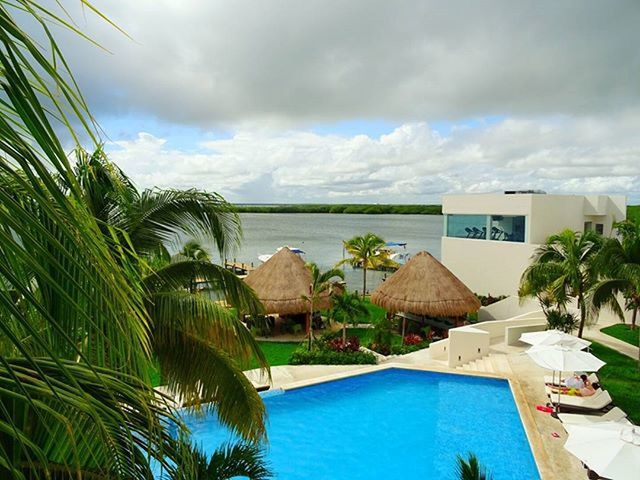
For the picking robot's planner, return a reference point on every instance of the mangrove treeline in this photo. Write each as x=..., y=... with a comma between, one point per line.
x=371, y=209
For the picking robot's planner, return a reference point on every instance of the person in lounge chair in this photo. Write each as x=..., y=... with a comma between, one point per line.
x=586, y=391
x=577, y=381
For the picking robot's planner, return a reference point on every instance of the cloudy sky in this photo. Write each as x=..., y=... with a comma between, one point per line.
x=367, y=100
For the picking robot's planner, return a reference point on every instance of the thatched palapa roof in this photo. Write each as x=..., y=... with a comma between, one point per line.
x=281, y=282
x=424, y=286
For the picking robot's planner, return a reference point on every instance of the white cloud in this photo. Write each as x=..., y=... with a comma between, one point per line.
x=413, y=163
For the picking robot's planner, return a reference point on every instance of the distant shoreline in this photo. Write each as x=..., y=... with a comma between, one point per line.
x=366, y=209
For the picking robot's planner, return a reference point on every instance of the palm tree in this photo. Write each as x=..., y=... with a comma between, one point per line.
x=193, y=250
x=563, y=268
x=228, y=461
x=76, y=341
x=471, y=469
x=321, y=284
x=74, y=357
x=195, y=339
x=618, y=264
x=368, y=252
x=348, y=307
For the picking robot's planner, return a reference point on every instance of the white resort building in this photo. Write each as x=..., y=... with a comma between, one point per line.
x=489, y=239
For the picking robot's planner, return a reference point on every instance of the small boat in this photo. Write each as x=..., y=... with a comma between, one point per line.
x=297, y=251
x=397, y=256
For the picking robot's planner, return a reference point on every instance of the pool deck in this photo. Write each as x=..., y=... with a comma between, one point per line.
x=525, y=378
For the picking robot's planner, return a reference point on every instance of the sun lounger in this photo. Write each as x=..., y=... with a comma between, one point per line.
x=599, y=401
x=548, y=379
x=613, y=415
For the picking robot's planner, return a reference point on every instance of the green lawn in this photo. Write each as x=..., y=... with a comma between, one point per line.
x=277, y=353
x=621, y=331
x=375, y=313
x=621, y=377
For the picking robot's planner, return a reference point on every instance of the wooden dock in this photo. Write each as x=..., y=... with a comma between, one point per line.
x=239, y=268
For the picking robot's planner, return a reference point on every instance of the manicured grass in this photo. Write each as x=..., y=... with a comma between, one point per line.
x=277, y=353
x=622, y=332
x=376, y=313
x=621, y=378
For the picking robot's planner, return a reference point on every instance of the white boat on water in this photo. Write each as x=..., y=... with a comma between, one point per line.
x=264, y=258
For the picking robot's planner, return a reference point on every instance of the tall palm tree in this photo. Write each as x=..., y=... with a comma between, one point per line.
x=195, y=339
x=321, y=284
x=368, y=252
x=348, y=307
x=75, y=399
x=618, y=264
x=563, y=268
x=470, y=469
x=76, y=338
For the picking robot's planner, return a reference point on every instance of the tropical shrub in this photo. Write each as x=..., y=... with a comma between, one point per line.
x=382, y=336
x=563, y=321
x=486, y=300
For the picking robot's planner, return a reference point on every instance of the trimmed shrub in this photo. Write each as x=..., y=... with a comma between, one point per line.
x=329, y=357
x=404, y=349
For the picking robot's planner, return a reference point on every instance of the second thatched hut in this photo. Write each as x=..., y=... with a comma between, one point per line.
x=425, y=287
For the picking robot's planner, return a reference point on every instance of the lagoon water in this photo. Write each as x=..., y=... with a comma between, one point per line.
x=320, y=236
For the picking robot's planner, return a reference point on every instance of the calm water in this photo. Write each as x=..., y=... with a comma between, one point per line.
x=394, y=424
x=321, y=235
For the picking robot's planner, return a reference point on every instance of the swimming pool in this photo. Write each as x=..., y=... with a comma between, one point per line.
x=390, y=424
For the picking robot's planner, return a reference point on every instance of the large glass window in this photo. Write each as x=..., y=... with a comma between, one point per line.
x=467, y=226
x=504, y=228
x=507, y=228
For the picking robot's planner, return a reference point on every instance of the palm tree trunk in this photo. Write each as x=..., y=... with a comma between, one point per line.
x=364, y=281
x=634, y=317
x=344, y=330
x=583, y=315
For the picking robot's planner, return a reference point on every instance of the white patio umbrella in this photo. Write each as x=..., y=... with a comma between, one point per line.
x=610, y=449
x=557, y=357
x=554, y=337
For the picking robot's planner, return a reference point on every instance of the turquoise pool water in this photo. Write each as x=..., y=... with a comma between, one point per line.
x=391, y=424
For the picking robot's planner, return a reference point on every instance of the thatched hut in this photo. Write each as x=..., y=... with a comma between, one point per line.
x=424, y=286
x=281, y=284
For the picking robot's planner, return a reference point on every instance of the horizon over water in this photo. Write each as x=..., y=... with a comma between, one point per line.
x=320, y=236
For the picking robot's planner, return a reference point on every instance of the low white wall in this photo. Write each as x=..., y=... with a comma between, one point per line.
x=439, y=349
x=466, y=344
x=512, y=334
x=472, y=341
x=508, y=308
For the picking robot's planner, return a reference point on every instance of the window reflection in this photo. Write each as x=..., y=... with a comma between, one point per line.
x=505, y=228
x=467, y=226
x=508, y=228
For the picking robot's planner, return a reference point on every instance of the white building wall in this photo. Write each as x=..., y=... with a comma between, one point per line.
x=486, y=266
x=495, y=267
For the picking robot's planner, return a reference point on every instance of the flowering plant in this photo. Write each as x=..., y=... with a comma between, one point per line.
x=412, y=339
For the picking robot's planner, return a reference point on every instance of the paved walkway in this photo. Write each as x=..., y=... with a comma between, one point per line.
x=593, y=333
